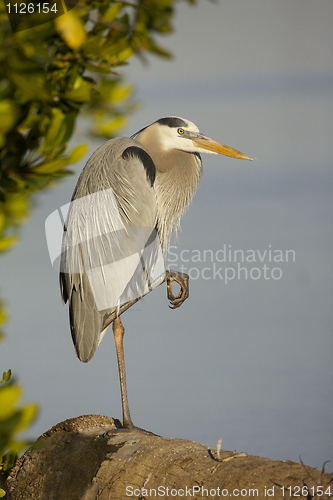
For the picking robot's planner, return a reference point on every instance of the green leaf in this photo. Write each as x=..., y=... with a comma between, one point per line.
x=7, y=243
x=51, y=167
x=3, y=314
x=112, y=11
x=17, y=205
x=7, y=115
x=78, y=153
x=55, y=166
x=71, y=29
x=121, y=92
x=53, y=132
x=59, y=130
x=30, y=86
x=6, y=376
x=2, y=493
x=28, y=415
x=2, y=221
x=109, y=127
x=80, y=91
x=125, y=54
x=9, y=397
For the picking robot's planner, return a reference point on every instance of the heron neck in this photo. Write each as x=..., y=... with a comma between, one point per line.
x=177, y=177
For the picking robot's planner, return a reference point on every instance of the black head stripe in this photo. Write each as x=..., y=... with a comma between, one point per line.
x=172, y=121
x=134, y=136
x=145, y=159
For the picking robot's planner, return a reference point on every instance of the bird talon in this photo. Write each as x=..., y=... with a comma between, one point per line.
x=176, y=304
x=182, y=280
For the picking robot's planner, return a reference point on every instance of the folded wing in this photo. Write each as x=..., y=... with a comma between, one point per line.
x=111, y=250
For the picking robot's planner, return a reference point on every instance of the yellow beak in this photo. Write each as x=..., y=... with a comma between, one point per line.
x=204, y=142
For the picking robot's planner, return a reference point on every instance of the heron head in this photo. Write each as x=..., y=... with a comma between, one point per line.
x=175, y=133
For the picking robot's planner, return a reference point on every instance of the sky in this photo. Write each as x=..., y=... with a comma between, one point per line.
x=248, y=356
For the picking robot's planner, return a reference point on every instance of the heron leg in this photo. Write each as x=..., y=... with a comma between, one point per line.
x=118, y=332
x=183, y=281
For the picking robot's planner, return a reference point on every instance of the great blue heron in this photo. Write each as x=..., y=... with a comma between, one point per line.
x=130, y=195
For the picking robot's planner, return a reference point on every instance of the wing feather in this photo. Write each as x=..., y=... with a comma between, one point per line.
x=111, y=218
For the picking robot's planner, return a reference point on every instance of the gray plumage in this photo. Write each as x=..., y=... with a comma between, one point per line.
x=128, y=188
x=105, y=170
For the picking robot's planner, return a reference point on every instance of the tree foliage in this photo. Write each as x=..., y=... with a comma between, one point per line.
x=14, y=419
x=50, y=74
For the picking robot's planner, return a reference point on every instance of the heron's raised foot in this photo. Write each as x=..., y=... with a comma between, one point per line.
x=183, y=281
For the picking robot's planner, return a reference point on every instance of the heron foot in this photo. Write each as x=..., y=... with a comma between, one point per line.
x=183, y=281
x=134, y=429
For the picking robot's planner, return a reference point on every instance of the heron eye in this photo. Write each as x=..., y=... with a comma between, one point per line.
x=180, y=131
